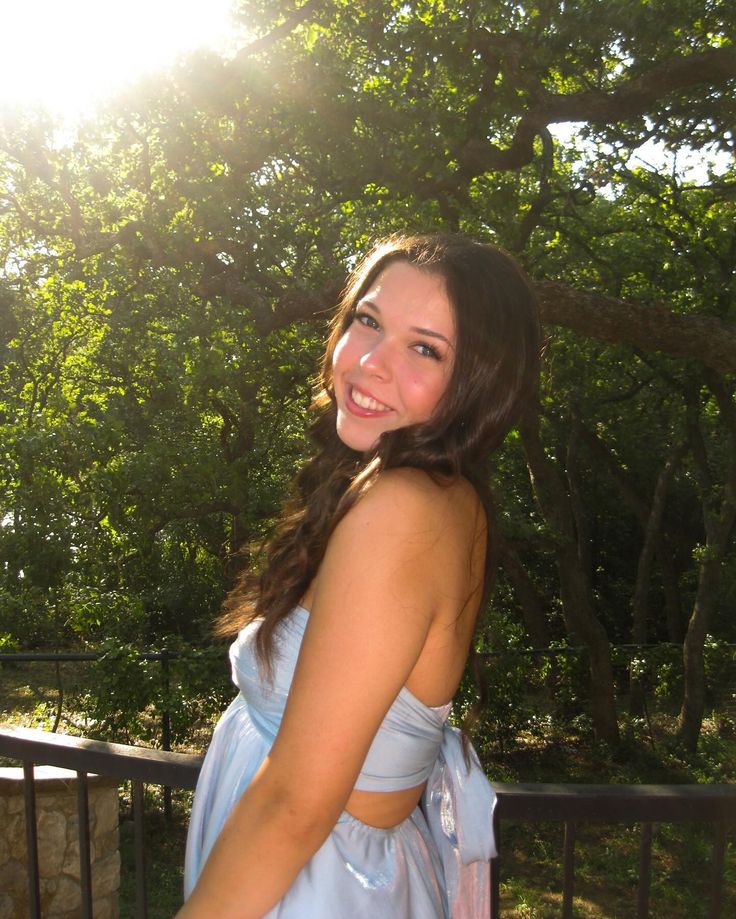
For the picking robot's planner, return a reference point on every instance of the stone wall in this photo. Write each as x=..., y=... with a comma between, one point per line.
x=58, y=844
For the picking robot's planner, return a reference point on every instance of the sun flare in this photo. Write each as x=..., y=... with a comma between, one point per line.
x=68, y=56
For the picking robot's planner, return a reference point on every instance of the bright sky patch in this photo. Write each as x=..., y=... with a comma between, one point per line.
x=67, y=55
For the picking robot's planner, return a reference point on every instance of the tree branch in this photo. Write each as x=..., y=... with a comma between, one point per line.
x=651, y=327
x=629, y=99
x=287, y=26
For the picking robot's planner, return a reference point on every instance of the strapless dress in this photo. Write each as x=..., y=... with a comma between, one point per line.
x=433, y=865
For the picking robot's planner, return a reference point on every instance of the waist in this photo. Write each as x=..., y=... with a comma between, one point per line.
x=383, y=809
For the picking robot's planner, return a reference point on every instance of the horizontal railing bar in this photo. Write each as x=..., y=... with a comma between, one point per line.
x=159, y=767
x=25, y=657
x=529, y=802
x=616, y=803
x=19, y=657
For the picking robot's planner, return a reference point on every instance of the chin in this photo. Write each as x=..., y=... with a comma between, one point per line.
x=358, y=444
x=360, y=441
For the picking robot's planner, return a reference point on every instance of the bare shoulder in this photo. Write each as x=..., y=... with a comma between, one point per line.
x=412, y=536
x=413, y=496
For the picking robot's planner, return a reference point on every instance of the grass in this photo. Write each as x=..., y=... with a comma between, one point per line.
x=606, y=874
x=606, y=856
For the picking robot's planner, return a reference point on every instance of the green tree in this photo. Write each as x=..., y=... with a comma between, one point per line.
x=168, y=276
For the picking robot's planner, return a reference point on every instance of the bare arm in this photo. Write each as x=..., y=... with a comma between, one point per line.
x=376, y=595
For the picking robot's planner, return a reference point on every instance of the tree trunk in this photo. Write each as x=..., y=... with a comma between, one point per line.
x=652, y=535
x=718, y=528
x=664, y=551
x=577, y=504
x=693, y=702
x=671, y=588
x=532, y=610
x=581, y=622
x=577, y=602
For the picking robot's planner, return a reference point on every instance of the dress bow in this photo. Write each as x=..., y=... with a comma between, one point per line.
x=458, y=804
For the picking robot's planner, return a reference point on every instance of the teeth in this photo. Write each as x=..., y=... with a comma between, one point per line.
x=367, y=403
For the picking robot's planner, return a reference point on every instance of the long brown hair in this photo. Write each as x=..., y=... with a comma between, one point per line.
x=495, y=370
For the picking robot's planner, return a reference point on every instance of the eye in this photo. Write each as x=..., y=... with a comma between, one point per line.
x=366, y=319
x=428, y=351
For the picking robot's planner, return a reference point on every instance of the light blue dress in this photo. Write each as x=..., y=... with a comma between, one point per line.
x=433, y=865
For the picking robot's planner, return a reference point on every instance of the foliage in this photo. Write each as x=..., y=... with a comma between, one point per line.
x=166, y=274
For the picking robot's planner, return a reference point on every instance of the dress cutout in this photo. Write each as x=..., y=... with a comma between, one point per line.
x=433, y=865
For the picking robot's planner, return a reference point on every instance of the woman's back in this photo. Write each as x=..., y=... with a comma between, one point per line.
x=451, y=534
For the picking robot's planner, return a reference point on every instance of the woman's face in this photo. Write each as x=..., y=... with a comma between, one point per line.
x=394, y=362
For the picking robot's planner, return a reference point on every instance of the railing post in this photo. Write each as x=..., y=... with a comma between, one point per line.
x=568, y=869
x=495, y=867
x=719, y=852
x=645, y=871
x=166, y=724
x=85, y=874
x=141, y=897
x=29, y=793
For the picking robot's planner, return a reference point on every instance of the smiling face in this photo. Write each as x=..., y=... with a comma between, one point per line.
x=393, y=363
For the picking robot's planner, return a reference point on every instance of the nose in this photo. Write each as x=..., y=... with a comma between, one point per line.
x=376, y=361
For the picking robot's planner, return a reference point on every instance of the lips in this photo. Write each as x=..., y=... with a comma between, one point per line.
x=363, y=404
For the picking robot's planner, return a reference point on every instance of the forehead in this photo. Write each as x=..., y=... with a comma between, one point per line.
x=414, y=293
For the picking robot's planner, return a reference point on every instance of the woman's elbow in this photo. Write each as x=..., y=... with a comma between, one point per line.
x=306, y=819
x=305, y=809
x=311, y=818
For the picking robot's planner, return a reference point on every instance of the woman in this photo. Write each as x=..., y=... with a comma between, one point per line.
x=334, y=785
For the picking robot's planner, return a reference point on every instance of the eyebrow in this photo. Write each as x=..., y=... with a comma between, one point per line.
x=371, y=304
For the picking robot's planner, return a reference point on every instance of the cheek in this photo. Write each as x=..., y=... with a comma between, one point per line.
x=441, y=387
x=426, y=394
x=339, y=356
x=437, y=394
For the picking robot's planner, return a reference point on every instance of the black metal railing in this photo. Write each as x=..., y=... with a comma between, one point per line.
x=646, y=805
x=139, y=765
x=568, y=805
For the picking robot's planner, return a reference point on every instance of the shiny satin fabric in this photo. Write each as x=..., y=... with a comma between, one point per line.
x=433, y=865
